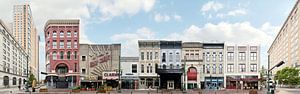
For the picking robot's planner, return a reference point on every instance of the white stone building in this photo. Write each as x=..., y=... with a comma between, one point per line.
x=242, y=67
x=13, y=66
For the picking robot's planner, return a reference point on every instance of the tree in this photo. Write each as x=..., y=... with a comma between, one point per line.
x=288, y=76
x=263, y=75
x=31, y=78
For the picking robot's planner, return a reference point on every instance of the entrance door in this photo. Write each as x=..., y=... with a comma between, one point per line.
x=170, y=84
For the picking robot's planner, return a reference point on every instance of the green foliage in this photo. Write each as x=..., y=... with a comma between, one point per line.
x=288, y=76
x=31, y=78
x=76, y=88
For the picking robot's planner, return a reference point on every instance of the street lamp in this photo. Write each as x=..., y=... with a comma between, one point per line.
x=270, y=70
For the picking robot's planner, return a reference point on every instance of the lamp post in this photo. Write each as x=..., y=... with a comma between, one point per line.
x=27, y=83
x=119, y=75
x=268, y=73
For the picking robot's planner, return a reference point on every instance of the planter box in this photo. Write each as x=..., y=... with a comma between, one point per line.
x=76, y=90
x=43, y=90
x=93, y=89
x=83, y=89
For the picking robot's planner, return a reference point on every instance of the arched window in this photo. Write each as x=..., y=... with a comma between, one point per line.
x=54, y=34
x=69, y=55
x=62, y=68
x=14, y=81
x=61, y=55
x=75, y=33
x=5, y=80
x=75, y=55
x=61, y=34
x=54, y=55
x=69, y=34
x=20, y=81
x=192, y=73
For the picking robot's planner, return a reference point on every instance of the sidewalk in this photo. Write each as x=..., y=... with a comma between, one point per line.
x=10, y=90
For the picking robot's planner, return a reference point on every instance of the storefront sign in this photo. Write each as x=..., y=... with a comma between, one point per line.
x=110, y=75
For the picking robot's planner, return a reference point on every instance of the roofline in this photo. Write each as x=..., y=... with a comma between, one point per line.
x=285, y=22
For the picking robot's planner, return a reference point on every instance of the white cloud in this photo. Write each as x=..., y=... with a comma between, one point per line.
x=112, y=8
x=130, y=40
x=164, y=17
x=211, y=5
x=161, y=18
x=177, y=17
x=232, y=33
x=237, y=12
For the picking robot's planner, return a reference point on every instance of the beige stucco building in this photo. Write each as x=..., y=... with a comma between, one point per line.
x=285, y=46
x=192, y=56
x=26, y=34
x=149, y=53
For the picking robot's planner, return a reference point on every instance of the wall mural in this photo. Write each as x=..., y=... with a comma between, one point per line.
x=100, y=60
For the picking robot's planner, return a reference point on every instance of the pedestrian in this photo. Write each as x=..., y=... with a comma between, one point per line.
x=19, y=87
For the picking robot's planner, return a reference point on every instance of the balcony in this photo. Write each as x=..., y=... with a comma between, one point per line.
x=169, y=69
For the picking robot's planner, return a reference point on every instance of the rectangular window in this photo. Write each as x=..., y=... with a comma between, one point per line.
x=142, y=68
x=54, y=44
x=253, y=56
x=214, y=68
x=230, y=56
x=69, y=44
x=142, y=55
x=230, y=68
x=134, y=68
x=147, y=55
x=83, y=71
x=207, y=56
x=242, y=56
x=75, y=44
x=151, y=55
x=170, y=57
x=207, y=68
x=220, y=69
x=214, y=57
x=156, y=55
x=242, y=68
x=61, y=44
x=75, y=67
x=220, y=56
x=177, y=57
x=83, y=58
x=253, y=67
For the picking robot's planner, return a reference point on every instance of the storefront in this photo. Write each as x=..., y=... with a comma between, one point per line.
x=61, y=81
x=130, y=82
x=238, y=82
x=192, y=78
x=111, y=78
x=214, y=82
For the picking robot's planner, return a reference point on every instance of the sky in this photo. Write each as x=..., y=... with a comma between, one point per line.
x=254, y=22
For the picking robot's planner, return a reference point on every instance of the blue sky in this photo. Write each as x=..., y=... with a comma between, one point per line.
x=126, y=21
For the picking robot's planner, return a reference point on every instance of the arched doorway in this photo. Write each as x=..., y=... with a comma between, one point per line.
x=61, y=81
x=192, y=77
x=6, y=81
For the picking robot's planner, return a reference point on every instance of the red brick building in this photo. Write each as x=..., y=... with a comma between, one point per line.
x=62, y=51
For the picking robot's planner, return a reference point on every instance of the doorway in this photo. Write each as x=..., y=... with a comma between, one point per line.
x=170, y=84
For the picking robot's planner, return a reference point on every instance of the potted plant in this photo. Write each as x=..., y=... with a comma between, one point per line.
x=101, y=90
x=76, y=89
